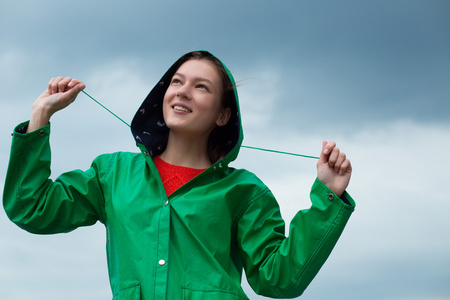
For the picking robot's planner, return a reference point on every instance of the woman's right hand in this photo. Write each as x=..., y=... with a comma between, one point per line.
x=61, y=92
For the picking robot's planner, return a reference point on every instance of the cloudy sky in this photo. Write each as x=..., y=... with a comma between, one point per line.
x=371, y=75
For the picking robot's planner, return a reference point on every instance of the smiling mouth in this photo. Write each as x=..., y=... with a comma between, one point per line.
x=181, y=108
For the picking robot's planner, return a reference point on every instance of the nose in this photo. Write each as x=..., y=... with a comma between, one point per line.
x=183, y=92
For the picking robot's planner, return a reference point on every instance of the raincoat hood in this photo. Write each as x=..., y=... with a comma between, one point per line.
x=149, y=128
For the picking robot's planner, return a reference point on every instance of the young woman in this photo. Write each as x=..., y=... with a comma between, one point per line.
x=180, y=223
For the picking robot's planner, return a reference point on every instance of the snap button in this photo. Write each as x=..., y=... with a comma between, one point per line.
x=167, y=203
x=330, y=196
x=41, y=132
x=162, y=262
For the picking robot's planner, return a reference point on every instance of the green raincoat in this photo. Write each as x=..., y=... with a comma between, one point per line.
x=193, y=244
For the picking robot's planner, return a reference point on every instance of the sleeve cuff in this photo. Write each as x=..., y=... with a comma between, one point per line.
x=21, y=130
x=345, y=197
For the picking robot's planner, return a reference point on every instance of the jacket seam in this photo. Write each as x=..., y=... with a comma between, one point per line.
x=18, y=193
x=126, y=287
x=113, y=157
x=314, y=253
x=222, y=291
x=254, y=199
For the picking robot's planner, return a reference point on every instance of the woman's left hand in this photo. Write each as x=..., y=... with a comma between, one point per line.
x=333, y=168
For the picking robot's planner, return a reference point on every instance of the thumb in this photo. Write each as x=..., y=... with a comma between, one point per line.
x=79, y=87
x=74, y=91
x=323, y=158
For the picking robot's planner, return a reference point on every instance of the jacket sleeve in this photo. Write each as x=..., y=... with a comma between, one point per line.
x=282, y=267
x=36, y=203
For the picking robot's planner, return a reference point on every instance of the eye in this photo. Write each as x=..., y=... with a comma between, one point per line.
x=176, y=81
x=203, y=87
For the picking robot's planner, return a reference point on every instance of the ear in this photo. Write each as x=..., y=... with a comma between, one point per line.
x=224, y=117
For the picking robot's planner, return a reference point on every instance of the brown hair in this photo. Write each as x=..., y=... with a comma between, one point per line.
x=218, y=143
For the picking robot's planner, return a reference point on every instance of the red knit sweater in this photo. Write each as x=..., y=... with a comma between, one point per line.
x=173, y=177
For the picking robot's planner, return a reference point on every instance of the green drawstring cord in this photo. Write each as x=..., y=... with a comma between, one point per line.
x=280, y=152
x=106, y=109
x=249, y=147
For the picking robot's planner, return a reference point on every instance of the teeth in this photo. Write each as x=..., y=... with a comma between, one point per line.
x=177, y=107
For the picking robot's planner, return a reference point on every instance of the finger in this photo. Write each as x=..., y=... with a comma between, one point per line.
x=50, y=84
x=62, y=85
x=332, y=159
x=54, y=84
x=346, y=167
x=340, y=160
x=329, y=147
x=73, y=83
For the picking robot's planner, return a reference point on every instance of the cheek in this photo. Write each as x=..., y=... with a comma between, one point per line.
x=165, y=103
x=167, y=95
x=211, y=103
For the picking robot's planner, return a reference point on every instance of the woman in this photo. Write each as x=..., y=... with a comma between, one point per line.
x=181, y=223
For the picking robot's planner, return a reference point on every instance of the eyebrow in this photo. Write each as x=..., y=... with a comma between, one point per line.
x=195, y=79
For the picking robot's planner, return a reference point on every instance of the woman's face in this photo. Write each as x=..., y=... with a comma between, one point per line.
x=192, y=103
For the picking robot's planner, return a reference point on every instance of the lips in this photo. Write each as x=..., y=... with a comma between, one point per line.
x=181, y=108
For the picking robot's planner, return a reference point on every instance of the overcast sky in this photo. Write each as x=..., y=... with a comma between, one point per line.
x=371, y=75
